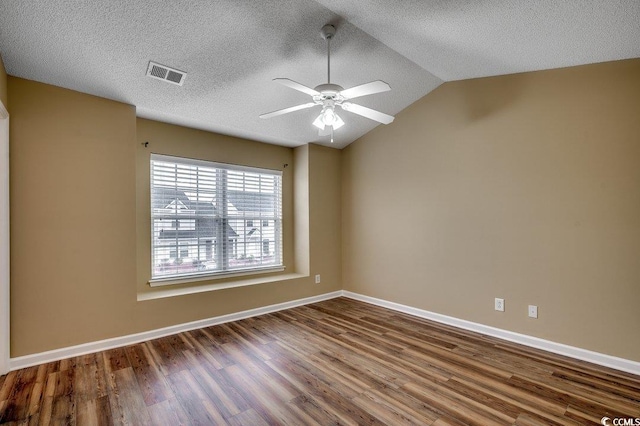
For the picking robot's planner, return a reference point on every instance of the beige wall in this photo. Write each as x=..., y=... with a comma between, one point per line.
x=325, y=208
x=525, y=187
x=3, y=83
x=72, y=222
x=76, y=188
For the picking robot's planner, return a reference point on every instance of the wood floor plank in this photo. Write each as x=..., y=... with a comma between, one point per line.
x=168, y=412
x=309, y=412
x=152, y=383
x=216, y=338
x=390, y=412
x=232, y=400
x=337, y=362
x=345, y=384
x=168, y=360
x=126, y=398
x=19, y=398
x=407, y=403
x=247, y=343
x=247, y=334
x=197, y=405
x=327, y=396
x=37, y=393
x=218, y=393
x=46, y=404
x=63, y=406
x=94, y=412
x=249, y=417
x=201, y=351
x=454, y=407
x=316, y=414
x=115, y=359
x=558, y=390
x=404, y=367
x=552, y=411
x=90, y=380
x=270, y=407
x=263, y=375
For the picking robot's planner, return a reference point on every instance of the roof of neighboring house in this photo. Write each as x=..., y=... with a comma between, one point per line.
x=252, y=201
x=162, y=197
x=243, y=201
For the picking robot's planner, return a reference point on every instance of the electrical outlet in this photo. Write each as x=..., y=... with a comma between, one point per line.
x=499, y=305
x=317, y=278
x=533, y=311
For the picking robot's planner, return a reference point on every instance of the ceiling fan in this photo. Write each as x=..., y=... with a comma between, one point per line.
x=329, y=96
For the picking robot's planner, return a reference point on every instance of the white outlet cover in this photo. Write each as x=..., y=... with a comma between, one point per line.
x=499, y=304
x=318, y=279
x=533, y=311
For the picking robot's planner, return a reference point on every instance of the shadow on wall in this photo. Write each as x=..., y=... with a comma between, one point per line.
x=481, y=102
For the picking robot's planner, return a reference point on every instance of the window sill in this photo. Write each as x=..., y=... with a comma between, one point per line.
x=208, y=277
x=168, y=291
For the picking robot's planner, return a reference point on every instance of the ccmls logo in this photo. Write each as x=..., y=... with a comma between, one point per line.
x=606, y=421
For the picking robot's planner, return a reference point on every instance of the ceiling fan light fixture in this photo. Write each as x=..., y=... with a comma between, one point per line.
x=319, y=123
x=337, y=122
x=328, y=117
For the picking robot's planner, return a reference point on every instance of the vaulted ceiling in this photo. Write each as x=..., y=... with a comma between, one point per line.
x=232, y=50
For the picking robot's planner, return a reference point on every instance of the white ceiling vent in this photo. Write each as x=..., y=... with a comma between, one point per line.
x=164, y=73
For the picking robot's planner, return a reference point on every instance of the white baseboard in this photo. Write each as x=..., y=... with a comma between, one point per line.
x=116, y=342
x=557, y=348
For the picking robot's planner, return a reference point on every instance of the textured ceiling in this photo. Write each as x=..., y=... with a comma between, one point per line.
x=231, y=50
x=461, y=39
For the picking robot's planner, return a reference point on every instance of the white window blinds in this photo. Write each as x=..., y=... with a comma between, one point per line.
x=212, y=218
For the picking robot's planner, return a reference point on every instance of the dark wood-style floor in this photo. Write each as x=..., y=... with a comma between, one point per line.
x=334, y=362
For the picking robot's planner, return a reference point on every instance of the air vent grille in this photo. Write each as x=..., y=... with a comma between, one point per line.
x=159, y=72
x=165, y=73
x=176, y=77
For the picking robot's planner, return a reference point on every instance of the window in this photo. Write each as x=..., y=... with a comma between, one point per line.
x=202, y=216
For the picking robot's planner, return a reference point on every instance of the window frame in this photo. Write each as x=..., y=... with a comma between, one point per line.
x=221, y=192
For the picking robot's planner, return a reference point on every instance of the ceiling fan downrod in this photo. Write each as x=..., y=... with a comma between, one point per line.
x=327, y=32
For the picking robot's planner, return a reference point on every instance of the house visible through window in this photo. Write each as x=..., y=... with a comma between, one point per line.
x=199, y=214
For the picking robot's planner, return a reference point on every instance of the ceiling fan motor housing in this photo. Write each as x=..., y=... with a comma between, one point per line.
x=328, y=91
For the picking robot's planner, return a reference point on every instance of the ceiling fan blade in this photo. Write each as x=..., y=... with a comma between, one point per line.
x=365, y=89
x=297, y=86
x=367, y=112
x=288, y=110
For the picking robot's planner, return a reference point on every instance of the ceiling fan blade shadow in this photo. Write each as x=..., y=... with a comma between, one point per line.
x=365, y=89
x=369, y=113
x=288, y=110
x=297, y=86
